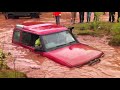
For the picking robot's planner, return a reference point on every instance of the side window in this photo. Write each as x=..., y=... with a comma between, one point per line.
x=33, y=39
x=26, y=38
x=16, y=36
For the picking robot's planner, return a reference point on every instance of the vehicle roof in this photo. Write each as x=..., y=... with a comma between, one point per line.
x=41, y=28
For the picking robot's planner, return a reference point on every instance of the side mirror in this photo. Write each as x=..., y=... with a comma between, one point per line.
x=71, y=28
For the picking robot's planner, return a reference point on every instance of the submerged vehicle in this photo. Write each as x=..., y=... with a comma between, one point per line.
x=12, y=15
x=58, y=44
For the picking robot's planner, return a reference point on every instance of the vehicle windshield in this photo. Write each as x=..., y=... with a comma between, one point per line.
x=58, y=39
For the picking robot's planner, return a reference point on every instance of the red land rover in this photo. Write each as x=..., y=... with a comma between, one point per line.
x=58, y=43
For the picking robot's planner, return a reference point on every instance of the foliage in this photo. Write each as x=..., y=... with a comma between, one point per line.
x=116, y=29
x=97, y=16
x=115, y=41
x=94, y=25
x=100, y=29
x=2, y=60
x=5, y=71
x=11, y=74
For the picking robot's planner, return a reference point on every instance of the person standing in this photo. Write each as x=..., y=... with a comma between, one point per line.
x=118, y=17
x=81, y=17
x=88, y=16
x=73, y=17
x=111, y=16
x=57, y=17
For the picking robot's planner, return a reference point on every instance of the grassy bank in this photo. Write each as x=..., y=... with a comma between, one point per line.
x=100, y=29
x=11, y=74
x=5, y=71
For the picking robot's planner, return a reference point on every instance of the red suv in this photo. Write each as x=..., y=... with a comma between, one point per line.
x=58, y=43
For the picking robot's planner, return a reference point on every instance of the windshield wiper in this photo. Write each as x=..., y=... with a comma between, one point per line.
x=66, y=44
x=72, y=42
x=62, y=45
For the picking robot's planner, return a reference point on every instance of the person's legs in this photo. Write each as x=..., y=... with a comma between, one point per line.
x=87, y=16
x=82, y=16
x=109, y=16
x=118, y=16
x=57, y=20
x=74, y=17
x=89, y=19
x=113, y=18
x=95, y=17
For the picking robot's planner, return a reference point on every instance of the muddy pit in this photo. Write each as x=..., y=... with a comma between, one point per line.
x=36, y=66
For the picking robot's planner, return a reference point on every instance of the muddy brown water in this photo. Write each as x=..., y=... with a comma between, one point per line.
x=36, y=66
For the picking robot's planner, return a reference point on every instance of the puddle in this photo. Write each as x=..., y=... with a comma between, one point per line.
x=36, y=66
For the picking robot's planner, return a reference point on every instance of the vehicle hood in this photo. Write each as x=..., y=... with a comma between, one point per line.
x=74, y=55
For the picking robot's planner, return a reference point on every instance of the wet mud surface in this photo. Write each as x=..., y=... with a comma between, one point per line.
x=36, y=66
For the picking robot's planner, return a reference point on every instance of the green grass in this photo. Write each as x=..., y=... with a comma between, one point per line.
x=87, y=32
x=82, y=26
x=116, y=29
x=11, y=74
x=115, y=40
x=5, y=71
x=100, y=29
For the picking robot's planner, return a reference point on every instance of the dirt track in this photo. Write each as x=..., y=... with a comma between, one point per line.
x=36, y=66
